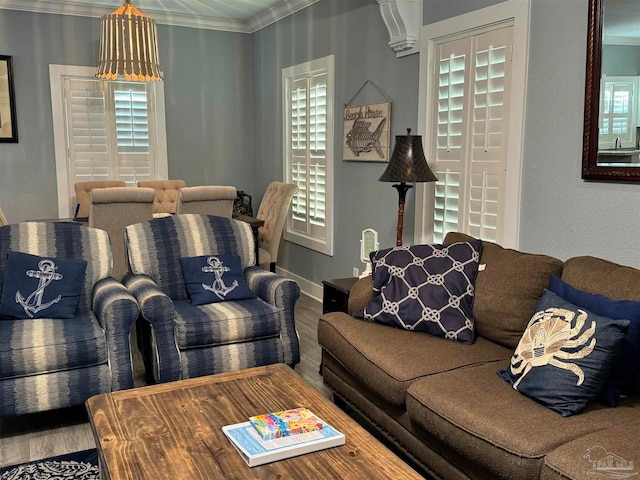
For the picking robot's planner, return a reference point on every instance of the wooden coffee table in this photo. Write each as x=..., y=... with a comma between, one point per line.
x=174, y=430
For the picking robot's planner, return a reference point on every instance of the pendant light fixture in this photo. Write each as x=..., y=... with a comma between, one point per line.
x=128, y=46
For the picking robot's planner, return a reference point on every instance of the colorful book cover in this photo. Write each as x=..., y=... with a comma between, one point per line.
x=285, y=423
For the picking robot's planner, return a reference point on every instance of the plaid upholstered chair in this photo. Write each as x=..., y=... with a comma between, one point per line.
x=184, y=338
x=53, y=359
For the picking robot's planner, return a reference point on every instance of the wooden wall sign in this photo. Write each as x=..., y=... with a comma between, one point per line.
x=366, y=132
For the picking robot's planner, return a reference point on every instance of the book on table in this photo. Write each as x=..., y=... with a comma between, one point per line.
x=286, y=422
x=257, y=451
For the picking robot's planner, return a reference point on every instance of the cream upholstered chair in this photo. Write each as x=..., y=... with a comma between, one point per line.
x=166, y=200
x=3, y=219
x=114, y=208
x=83, y=194
x=273, y=210
x=207, y=200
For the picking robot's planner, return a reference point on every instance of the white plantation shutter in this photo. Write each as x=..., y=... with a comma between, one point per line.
x=86, y=118
x=133, y=132
x=469, y=151
x=618, y=111
x=308, y=132
x=109, y=131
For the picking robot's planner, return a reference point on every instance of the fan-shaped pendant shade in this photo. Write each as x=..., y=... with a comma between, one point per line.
x=129, y=46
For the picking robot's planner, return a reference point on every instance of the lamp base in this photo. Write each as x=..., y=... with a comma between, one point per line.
x=402, y=195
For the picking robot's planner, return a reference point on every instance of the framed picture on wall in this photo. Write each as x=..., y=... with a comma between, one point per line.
x=8, y=122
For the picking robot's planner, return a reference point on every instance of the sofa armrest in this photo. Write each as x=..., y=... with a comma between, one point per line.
x=116, y=310
x=157, y=309
x=360, y=294
x=282, y=293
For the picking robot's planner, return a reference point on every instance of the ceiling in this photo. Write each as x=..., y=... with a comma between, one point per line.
x=245, y=16
x=621, y=21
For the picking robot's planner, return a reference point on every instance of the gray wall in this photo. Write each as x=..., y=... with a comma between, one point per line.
x=563, y=215
x=621, y=60
x=207, y=98
x=354, y=32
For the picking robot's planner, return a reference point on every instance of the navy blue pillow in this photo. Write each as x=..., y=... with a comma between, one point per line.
x=214, y=278
x=564, y=355
x=41, y=287
x=624, y=369
x=426, y=288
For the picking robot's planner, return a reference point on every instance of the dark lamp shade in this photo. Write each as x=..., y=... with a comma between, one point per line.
x=408, y=163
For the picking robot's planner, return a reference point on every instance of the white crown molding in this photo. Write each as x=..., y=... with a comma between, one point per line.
x=61, y=7
x=403, y=19
x=612, y=40
x=277, y=12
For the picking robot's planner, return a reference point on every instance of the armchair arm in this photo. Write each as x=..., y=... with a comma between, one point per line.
x=116, y=310
x=157, y=309
x=283, y=294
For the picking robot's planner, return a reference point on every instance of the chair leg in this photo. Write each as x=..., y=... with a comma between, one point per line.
x=272, y=267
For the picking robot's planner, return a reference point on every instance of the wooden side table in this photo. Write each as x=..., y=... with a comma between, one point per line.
x=335, y=295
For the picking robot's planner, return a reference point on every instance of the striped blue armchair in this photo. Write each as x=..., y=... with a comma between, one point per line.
x=180, y=340
x=48, y=363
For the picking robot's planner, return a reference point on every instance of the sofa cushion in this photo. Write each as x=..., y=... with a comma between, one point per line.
x=565, y=355
x=426, y=288
x=608, y=453
x=41, y=287
x=214, y=278
x=387, y=360
x=508, y=287
x=224, y=322
x=42, y=345
x=474, y=412
x=626, y=365
x=606, y=278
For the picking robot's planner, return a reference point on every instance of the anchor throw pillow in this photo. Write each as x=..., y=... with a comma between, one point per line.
x=426, y=288
x=565, y=355
x=41, y=287
x=214, y=278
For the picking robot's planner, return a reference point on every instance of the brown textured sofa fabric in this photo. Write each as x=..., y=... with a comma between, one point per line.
x=390, y=366
x=507, y=289
x=443, y=403
x=495, y=425
x=575, y=459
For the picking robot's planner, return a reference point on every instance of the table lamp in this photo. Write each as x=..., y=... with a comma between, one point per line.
x=407, y=165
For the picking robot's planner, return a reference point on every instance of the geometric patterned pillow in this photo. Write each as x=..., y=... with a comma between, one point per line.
x=426, y=288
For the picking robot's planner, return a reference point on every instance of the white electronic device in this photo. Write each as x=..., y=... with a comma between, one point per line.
x=368, y=243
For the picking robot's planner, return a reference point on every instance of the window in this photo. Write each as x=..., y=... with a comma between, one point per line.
x=105, y=131
x=618, y=112
x=472, y=96
x=471, y=119
x=308, y=145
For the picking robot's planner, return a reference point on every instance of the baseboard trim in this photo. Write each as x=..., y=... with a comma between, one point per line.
x=307, y=287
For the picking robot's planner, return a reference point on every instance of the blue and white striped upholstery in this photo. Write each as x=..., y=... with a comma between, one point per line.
x=181, y=340
x=51, y=363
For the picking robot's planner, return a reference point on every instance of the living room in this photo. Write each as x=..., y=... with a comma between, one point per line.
x=223, y=122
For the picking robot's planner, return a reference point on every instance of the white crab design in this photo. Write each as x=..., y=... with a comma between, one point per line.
x=546, y=339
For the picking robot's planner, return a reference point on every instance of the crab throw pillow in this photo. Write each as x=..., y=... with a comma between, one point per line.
x=565, y=355
x=426, y=288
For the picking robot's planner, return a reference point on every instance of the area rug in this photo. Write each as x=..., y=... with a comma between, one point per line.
x=72, y=466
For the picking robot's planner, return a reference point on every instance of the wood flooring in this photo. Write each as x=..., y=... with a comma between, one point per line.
x=40, y=435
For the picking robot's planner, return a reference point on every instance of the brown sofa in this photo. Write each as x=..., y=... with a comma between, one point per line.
x=442, y=404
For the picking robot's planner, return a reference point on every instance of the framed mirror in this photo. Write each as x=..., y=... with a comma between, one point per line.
x=611, y=149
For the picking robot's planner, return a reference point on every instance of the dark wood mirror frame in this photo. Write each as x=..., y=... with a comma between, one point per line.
x=590, y=168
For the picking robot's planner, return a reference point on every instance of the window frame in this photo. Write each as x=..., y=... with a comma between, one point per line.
x=320, y=243
x=517, y=12
x=57, y=76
